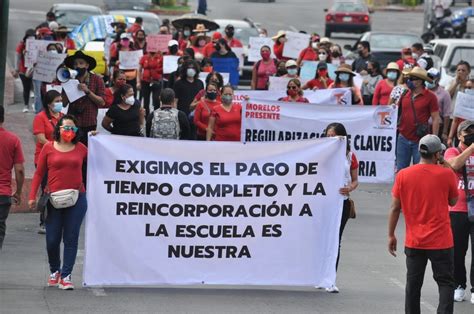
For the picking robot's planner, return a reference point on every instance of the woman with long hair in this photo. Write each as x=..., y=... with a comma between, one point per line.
x=294, y=92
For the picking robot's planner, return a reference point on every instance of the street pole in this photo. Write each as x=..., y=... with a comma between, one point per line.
x=3, y=47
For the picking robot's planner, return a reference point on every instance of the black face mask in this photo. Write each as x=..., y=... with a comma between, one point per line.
x=370, y=71
x=211, y=95
x=81, y=71
x=217, y=47
x=229, y=33
x=281, y=72
x=468, y=139
x=336, y=54
x=360, y=52
x=173, y=49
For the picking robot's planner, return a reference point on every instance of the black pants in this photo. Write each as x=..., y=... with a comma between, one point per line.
x=344, y=219
x=5, y=203
x=27, y=83
x=462, y=228
x=442, y=265
x=153, y=89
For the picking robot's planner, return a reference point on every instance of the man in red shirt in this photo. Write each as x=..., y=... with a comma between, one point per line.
x=11, y=157
x=461, y=159
x=229, y=37
x=418, y=105
x=428, y=230
x=406, y=61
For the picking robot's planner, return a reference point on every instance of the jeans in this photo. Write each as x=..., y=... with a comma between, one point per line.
x=344, y=219
x=65, y=224
x=27, y=85
x=406, y=152
x=38, y=100
x=5, y=203
x=442, y=265
x=153, y=89
x=462, y=229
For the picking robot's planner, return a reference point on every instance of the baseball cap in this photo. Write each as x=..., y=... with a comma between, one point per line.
x=124, y=36
x=467, y=124
x=430, y=144
x=172, y=43
x=291, y=63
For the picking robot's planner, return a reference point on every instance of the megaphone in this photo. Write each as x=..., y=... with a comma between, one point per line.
x=65, y=74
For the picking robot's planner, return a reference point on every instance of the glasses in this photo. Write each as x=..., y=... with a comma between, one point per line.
x=70, y=128
x=292, y=87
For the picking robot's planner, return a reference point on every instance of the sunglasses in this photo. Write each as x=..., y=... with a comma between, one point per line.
x=70, y=128
x=292, y=87
x=412, y=78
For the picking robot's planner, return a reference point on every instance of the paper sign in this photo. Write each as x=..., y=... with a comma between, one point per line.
x=203, y=75
x=155, y=43
x=358, y=80
x=255, y=44
x=33, y=46
x=72, y=91
x=308, y=70
x=294, y=44
x=129, y=60
x=170, y=64
x=239, y=52
x=57, y=88
x=278, y=83
x=464, y=107
x=99, y=57
x=100, y=116
x=227, y=65
x=46, y=66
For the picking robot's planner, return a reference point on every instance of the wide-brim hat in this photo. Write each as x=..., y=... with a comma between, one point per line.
x=200, y=28
x=69, y=61
x=279, y=34
x=345, y=68
x=420, y=73
x=62, y=29
x=392, y=66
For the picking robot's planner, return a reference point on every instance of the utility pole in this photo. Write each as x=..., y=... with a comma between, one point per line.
x=3, y=47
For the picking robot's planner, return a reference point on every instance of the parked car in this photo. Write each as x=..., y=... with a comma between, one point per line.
x=142, y=5
x=151, y=21
x=451, y=51
x=72, y=15
x=347, y=17
x=385, y=46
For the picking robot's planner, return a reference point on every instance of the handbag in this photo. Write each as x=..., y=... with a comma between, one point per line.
x=64, y=198
x=469, y=197
x=352, y=210
x=421, y=129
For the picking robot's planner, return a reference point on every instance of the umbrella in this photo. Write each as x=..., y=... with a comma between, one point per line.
x=192, y=20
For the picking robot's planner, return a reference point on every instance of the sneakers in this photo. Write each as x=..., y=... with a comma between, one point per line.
x=25, y=109
x=332, y=289
x=54, y=279
x=41, y=229
x=66, y=283
x=472, y=298
x=459, y=294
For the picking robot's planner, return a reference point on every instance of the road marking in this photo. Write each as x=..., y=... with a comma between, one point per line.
x=27, y=11
x=98, y=292
x=399, y=284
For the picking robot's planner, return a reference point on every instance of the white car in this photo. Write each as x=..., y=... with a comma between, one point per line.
x=451, y=51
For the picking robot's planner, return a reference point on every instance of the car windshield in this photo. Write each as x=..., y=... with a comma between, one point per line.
x=348, y=7
x=461, y=53
x=391, y=41
x=73, y=18
x=243, y=34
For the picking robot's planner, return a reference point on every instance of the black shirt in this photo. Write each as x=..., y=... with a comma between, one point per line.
x=185, y=91
x=126, y=122
x=361, y=63
x=183, y=124
x=229, y=54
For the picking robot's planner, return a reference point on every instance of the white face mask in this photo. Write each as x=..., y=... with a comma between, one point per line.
x=53, y=51
x=323, y=57
x=469, y=91
x=130, y=100
x=314, y=45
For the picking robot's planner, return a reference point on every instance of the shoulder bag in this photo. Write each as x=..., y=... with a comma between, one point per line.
x=421, y=128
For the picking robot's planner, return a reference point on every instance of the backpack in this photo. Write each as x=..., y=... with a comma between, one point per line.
x=166, y=124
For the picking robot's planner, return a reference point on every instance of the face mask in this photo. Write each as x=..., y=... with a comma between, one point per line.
x=344, y=77
x=68, y=136
x=336, y=54
x=292, y=92
x=360, y=52
x=190, y=72
x=58, y=106
x=226, y=99
x=468, y=139
x=323, y=56
x=410, y=84
x=80, y=71
x=229, y=33
x=53, y=51
x=292, y=72
x=173, y=49
x=140, y=39
x=265, y=55
x=211, y=95
x=314, y=45
x=469, y=91
x=414, y=56
x=130, y=100
x=186, y=33
x=430, y=85
x=323, y=73
x=392, y=76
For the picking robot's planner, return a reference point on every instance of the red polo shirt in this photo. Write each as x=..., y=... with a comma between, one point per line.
x=425, y=104
x=10, y=155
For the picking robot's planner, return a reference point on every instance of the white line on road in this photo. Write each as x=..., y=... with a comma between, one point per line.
x=98, y=292
x=399, y=284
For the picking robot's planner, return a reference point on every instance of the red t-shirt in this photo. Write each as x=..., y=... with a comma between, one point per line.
x=423, y=191
x=278, y=51
x=308, y=54
x=264, y=71
x=234, y=43
x=382, y=93
x=227, y=126
x=108, y=97
x=10, y=155
x=64, y=169
x=299, y=99
x=152, y=67
x=208, y=50
x=461, y=205
x=425, y=104
x=20, y=50
x=41, y=124
x=202, y=114
x=316, y=83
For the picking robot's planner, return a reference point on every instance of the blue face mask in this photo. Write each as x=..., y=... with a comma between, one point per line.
x=430, y=85
x=58, y=106
x=344, y=77
x=392, y=76
x=410, y=84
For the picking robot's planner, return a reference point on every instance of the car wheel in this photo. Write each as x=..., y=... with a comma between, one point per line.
x=327, y=33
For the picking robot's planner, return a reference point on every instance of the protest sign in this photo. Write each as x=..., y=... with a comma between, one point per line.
x=72, y=91
x=335, y=96
x=278, y=83
x=33, y=46
x=255, y=44
x=294, y=44
x=372, y=130
x=100, y=116
x=203, y=75
x=129, y=60
x=227, y=65
x=99, y=57
x=46, y=66
x=464, y=107
x=204, y=218
x=158, y=42
x=309, y=68
x=57, y=88
x=170, y=64
x=239, y=52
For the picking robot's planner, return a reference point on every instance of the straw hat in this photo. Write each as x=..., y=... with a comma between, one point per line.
x=392, y=66
x=345, y=68
x=420, y=73
x=278, y=35
x=62, y=29
x=200, y=28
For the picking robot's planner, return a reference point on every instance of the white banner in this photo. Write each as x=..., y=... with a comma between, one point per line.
x=371, y=129
x=335, y=96
x=170, y=64
x=129, y=60
x=464, y=106
x=46, y=65
x=254, y=214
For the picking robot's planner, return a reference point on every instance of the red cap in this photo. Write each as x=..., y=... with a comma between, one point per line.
x=406, y=51
x=44, y=31
x=216, y=36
